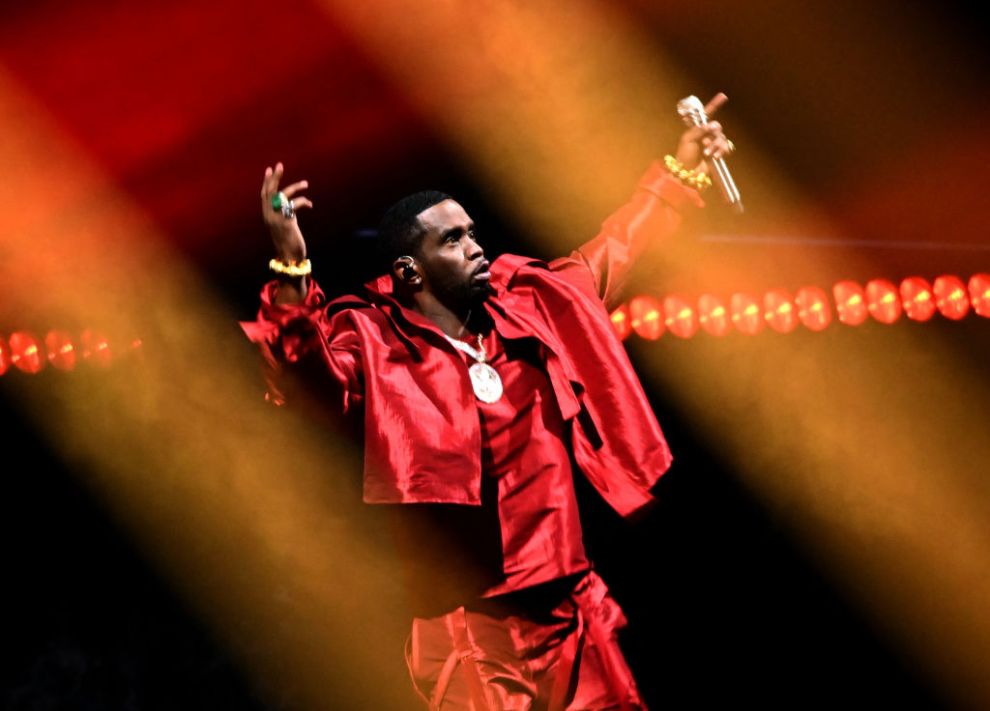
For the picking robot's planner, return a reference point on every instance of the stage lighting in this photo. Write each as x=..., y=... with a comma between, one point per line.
x=620, y=322
x=746, y=314
x=645, y=317
x=95, y=348
x=681, y=319
x=712, y=315
x=25, y=353
x=4, y=356
x=883, y=301
x=61, y=353
x=979, y=294
x=950, y=297
x=812, y=307
x=850, y=302
x=917, y=299
x=778, y=310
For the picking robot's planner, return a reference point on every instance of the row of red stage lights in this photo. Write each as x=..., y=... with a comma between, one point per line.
x=29, y=354
x=647, y=316
x=885, y=301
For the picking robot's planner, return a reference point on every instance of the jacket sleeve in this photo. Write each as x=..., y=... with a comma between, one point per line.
x=653, y=213
x=304, y=346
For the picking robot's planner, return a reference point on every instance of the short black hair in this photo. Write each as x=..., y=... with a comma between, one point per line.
x=399, y=231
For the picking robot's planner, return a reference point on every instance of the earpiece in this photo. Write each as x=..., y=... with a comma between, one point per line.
x=408, y=272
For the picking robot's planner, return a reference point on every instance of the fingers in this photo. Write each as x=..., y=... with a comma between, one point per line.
x=715, y=104
x=269, y=188
x=264, y=182
x=291, y=190
x=706, y=141
x=717, y=145
x=713, y=141
x=269, y=185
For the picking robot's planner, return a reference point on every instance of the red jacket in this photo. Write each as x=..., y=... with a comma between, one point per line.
x=422, y=434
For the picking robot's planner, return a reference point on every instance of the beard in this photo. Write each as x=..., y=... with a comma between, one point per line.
x=480, y=292
x=463, y=295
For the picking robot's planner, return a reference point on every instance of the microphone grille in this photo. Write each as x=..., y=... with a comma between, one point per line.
x=692, y=111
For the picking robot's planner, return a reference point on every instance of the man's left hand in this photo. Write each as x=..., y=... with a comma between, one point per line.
x=700, y=143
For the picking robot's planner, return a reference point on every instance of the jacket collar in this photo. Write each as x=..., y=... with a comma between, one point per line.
x=411, y=325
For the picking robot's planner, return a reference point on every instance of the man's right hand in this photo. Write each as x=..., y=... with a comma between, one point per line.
x=287, y=238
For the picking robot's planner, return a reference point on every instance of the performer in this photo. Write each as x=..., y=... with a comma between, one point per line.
x=483, y=389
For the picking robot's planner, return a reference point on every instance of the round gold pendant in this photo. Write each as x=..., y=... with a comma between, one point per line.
x=485, y=382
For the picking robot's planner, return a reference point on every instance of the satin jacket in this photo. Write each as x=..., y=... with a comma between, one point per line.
x=422, y=437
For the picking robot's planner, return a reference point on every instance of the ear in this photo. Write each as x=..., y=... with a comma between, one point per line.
x=406, y=270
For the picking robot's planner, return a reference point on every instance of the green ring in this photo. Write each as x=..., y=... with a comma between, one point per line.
x=277, y=199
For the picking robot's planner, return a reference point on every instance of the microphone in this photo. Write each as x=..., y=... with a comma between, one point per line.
x=692, y=111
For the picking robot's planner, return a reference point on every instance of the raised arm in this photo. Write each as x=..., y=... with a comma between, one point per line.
x=302, y=344
x=287, y=238
x=654, y=212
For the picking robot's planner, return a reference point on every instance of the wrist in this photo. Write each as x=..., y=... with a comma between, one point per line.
x=288, y=242
x=291, y=267
x=689, y=177
x=288, y=256
x=658, y=181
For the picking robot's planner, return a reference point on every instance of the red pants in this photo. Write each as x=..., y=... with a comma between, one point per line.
x=554, y=651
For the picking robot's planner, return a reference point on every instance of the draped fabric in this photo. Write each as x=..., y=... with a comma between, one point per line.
x=525, y=453
x=553, y=648
x=422, y=435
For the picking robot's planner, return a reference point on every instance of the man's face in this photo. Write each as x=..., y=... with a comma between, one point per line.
x=453, y=265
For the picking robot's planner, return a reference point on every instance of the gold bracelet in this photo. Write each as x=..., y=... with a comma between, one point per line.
x=692, y=178
x=291, y=268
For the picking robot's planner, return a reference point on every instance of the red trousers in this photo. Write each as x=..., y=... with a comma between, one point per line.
x=553, y=650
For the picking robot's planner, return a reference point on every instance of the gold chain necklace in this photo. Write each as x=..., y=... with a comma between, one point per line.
x=485, y=382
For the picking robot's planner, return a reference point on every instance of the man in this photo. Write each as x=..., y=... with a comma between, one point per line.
x=483, y=388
